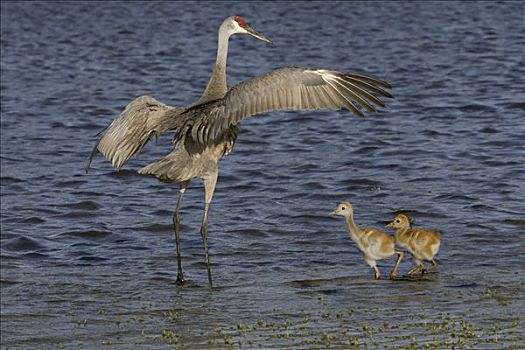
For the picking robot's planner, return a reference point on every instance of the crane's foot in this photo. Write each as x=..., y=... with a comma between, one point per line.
x=414, y=270
x=180, y=280
x=377, y=275
x=393, y=276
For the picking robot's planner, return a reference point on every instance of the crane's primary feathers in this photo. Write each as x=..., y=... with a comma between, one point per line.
x=285, y=88
x=206, y=131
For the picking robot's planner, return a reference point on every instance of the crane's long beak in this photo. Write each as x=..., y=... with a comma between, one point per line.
x=259, y=36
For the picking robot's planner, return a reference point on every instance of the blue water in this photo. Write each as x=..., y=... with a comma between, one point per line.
x=88, y=260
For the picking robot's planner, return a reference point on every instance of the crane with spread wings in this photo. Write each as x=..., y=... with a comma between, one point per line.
x=206, y=131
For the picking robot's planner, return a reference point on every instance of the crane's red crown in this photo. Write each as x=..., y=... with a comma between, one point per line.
x=240, y=21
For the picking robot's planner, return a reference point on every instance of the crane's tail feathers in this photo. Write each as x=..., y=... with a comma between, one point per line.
x=162, y=169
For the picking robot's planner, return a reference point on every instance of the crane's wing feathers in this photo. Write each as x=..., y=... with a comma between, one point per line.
x=288, y=88
x=285, y=88
x=127, y=134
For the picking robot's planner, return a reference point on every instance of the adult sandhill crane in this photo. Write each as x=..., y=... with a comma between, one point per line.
x=206, y=131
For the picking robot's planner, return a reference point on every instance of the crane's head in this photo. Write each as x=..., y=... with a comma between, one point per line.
x=238, y=25
x=344, y=209
x=400, y=221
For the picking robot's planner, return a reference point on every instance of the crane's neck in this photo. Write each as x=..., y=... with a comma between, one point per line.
x=217, y=85
x=402, y=234
x=352, y=227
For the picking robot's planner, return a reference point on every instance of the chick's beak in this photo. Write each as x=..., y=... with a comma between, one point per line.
x=390, y=224
x=254, y=33
x=333, y=213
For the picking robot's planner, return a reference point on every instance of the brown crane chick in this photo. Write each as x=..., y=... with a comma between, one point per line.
x=423, y=244
x=374, y=244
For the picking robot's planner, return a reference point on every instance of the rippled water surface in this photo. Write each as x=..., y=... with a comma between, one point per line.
x=88, y=260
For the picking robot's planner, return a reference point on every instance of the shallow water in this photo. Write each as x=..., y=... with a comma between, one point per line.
x=88, y=260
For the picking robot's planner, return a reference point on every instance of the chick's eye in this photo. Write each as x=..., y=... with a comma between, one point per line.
x=398, y=221
x=343, y=208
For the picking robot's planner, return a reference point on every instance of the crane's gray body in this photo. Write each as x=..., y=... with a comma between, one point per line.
x=206, y=131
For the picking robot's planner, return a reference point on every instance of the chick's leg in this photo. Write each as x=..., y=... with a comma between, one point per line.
x=372, y=264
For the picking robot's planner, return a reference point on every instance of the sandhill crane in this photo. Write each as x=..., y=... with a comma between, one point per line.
x=374, y=244
x=423, y=244
x=206, y=131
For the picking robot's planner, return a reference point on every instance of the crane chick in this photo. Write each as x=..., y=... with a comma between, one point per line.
x=374, y=244
x=423, y=244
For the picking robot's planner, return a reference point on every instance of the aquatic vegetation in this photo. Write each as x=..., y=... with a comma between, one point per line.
x=169, y=336
x=340, y=329
x=171, y=315
x=493, y=293
x=437, y=325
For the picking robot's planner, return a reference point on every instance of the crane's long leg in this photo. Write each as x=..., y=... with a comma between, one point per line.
x=419, y=266
x=204, y=233
x=372, y=263
x=176, y=223
x=393, y=273
x=430, y=267
x=209, y=189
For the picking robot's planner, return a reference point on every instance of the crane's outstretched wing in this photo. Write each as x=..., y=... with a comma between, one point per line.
x=286, y=88
x=127, y=134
